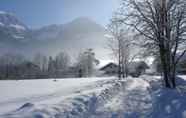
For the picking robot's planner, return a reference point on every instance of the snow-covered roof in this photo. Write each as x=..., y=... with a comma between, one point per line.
x=108, y=65
x=132, y=65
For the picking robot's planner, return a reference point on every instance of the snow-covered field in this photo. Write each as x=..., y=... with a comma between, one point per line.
x=46, y=91
x=92, y=98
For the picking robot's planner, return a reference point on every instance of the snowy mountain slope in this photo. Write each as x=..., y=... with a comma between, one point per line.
x=11, y=26
x=13, y=34
x=75, y=36
x=69, y=31
x=83, y=32
x=9, y=20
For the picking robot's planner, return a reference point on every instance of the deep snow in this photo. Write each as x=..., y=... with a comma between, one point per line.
x=92, y=98
x=15, y=93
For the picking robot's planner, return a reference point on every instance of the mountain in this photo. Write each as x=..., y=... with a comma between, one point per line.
x=13, y=33
x=72, y=37
x=69, y=31
x=12, y=27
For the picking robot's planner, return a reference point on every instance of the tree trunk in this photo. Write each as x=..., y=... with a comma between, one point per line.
x=166, y=73
x=173, y=80
x=119, y=69
x=164, y=38
x=173, y=76
x=119, y=60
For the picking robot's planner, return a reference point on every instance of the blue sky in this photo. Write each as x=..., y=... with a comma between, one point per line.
x=37, y=13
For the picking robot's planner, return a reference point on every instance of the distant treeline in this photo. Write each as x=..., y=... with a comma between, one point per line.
x=16, y=66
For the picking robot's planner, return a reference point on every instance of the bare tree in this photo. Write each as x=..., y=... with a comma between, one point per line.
x=62, y=61
x=8, y=62
x=86, y=63
x=41, y=61
x=51, y=67
x=125, y=56
x=162, y=26
x=119, y=43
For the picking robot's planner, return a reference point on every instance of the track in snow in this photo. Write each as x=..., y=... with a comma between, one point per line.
x=128, y=98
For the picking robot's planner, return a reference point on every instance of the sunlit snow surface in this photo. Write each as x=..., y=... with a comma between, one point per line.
x=47, y=91
x=106, y=97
